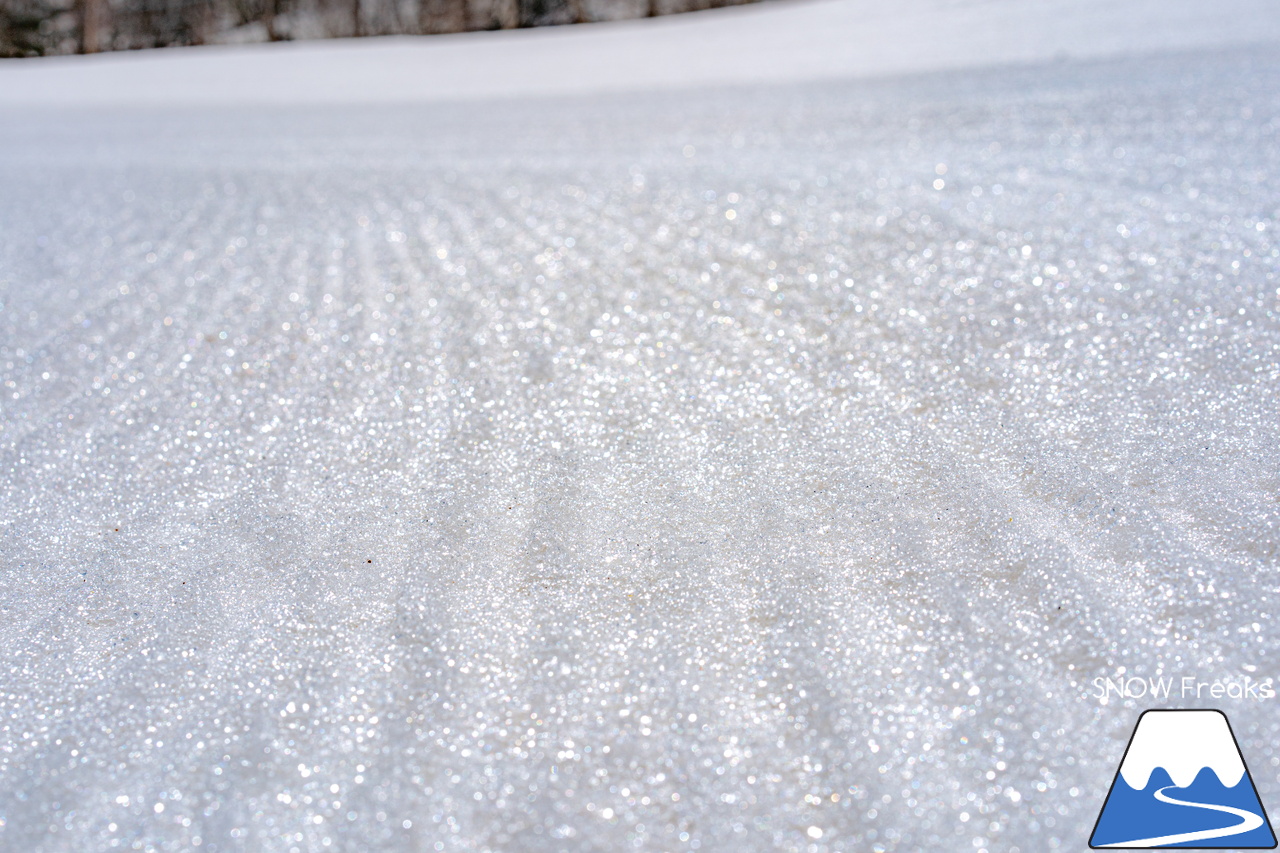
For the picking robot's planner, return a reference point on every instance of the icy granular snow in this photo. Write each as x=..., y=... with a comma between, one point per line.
x=720, y=470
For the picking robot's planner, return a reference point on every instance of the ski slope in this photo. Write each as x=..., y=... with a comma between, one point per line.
x=747, y=431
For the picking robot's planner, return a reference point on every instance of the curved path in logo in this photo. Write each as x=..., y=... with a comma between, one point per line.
x=1248, y=821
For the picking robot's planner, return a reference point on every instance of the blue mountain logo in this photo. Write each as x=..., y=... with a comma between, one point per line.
x=1183, y=783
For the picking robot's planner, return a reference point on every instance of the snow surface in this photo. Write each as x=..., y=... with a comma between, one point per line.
x=752, y=468
x=773, y=42
x=1183, y=743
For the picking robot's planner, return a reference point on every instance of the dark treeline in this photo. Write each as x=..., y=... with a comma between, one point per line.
x=44, y=27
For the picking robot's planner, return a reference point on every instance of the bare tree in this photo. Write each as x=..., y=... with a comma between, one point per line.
x=271, y=14
x=93, y=14
x=443, y=16
x=36, y=27
x=541, y=13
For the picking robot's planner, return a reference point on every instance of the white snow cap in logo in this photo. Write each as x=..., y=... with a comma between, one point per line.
x=1183, y=743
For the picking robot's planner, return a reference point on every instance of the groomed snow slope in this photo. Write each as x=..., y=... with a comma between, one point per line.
x=755, y=468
